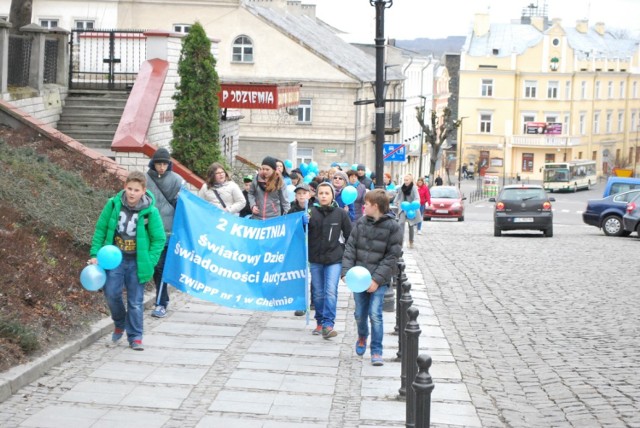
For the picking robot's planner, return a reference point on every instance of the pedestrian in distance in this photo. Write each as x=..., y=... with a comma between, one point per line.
x=221, y=191
x=425, y=199
x=376, y=244
x=329, y=229
x=408, y=192
x=359, y=202
x=165, y=186
x=246, y=181
x=131, y=222
x=339, y=181
x=362, y=176
x=268, y=194
x=282, y=170
x=301, y=201
x=438, y=180
x=389, y=186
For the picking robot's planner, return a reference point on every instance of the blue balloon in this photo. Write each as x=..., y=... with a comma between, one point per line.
x=354, y=167
x=304, y=168
x=405, y=205
x=109, y=257
x=291, y=192
x=358, y=279
x=415, y=205
x=93, y=277
x=349, y=195
x=288, y=164
x=313, y=167
x=391, y=187
x=307, y=179
x=411, y=214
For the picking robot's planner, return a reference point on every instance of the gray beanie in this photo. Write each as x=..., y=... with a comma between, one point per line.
x=161, y=155
x=333, y=191
x=343, y=175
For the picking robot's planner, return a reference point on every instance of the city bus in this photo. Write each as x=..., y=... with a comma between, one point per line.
x=569, y=176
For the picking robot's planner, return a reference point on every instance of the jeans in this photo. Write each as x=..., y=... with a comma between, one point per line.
x=369, y=307
x=421, y=216
x=162, y=298
x=129, y=319
x=403, y=220
x=325, y=292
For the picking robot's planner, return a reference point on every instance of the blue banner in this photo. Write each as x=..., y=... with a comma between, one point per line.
x=234, y=261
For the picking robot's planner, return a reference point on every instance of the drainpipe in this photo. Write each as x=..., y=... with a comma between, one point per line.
x=424, y=107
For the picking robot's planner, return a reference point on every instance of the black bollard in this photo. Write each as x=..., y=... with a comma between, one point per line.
x=423, y=386
x=410, y=355
x=405, y=302
x=400, y=278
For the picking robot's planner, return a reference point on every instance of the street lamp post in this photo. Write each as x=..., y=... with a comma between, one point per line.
x=460, y=152
x=424, y=106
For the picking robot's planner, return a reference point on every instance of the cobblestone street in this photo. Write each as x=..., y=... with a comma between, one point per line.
x=545, y=331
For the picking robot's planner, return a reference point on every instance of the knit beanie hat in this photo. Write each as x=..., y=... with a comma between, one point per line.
x=343, y=175
x=269, y=161
x=361, y=167
x=161, y=155
x=333, y=191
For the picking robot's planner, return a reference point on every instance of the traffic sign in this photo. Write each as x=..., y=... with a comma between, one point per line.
x=394, y=152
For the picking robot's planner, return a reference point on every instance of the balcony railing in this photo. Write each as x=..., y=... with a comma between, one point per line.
x=391, y=123
x=544, y=141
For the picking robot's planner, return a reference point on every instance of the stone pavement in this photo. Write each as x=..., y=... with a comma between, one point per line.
x=209, y=366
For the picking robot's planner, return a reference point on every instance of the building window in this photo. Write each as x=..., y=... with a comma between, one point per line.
x=530, y=88
x=567, y=90
x=635, y=90
x=622, y=91
x=608, y=122
x=552, y=90
x=596, y=91
x=527, y=162
x=620, y=121
x=487, y=87
x=84, y=24
x=582, y=124
x=579, y=155
x=242, y=49
x=304, y=155
x=485, y=123
x=527, y=118
x=181, y=28
x=551, y=119
x=304, y=111
x=596, y=122
x=610, y=90
x=549, y=158
x=48, y=23
x=634, y=126
x=565, y=124
x=583, y=90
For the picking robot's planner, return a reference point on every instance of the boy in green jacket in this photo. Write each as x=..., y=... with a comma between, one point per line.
x=131, y=222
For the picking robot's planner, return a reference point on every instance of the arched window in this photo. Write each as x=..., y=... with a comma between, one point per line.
x=242, y=49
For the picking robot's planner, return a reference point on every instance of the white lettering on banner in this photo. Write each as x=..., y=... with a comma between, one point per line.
x=267, y=232
x=275, y=302
x=208, y=264
x=279, y=277
x=249, y=97
x=236, y=256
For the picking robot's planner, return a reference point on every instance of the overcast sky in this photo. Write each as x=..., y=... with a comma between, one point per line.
x=409, y=19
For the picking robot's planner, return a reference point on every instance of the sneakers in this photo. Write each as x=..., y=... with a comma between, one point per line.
x=419, y=232
x=329, y=332
x=159, y=312
x=136, y=345
x=361, y=345
x=116, y=335
x=376, y=360
x=317, y=331
x=299, y=313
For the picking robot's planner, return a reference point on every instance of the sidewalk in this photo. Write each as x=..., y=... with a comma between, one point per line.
x=211, y=366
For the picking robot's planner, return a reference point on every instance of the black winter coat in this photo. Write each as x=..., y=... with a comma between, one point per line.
x=329, y=229
x=375, y=245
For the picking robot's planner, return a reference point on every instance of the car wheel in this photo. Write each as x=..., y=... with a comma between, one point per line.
x=461, y=218
x=497, y=231
x=549, y=232
x=612, y=226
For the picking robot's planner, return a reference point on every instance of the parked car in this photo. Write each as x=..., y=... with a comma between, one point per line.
x=620, y=184
x=607, y=213
x=446, y=202
x=631, y=220
x=523, y=207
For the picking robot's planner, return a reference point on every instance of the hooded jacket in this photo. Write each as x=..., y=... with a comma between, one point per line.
x=329, y=229
x=150, y=236
x=165, y=189
x=375, y=245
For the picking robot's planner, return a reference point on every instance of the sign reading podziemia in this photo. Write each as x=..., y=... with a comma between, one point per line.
x=234, y=261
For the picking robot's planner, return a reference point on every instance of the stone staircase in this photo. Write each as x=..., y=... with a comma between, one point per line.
x=92, y=117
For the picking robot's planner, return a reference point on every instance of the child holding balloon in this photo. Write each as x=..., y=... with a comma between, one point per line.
x=375, y=243
x=407, y=194
x=329, y=228
x=131, y=222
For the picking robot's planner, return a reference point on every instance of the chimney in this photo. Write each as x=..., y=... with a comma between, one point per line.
x=582, y=25
x=481, y=24
x=600, y=28
x=538, y=22
x=557, y=21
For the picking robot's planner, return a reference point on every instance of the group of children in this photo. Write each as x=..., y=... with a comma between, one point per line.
x=139, y=219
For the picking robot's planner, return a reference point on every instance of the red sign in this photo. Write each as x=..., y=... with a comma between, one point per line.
x=270, y=97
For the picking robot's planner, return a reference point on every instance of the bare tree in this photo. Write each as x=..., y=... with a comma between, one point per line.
x=436, y=133
x=20, y=14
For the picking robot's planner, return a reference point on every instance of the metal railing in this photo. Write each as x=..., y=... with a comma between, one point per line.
x=50, y=61
x=19, y=60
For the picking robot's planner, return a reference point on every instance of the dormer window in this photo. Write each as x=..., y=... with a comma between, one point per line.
x=242, y=49
x=495, y=51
